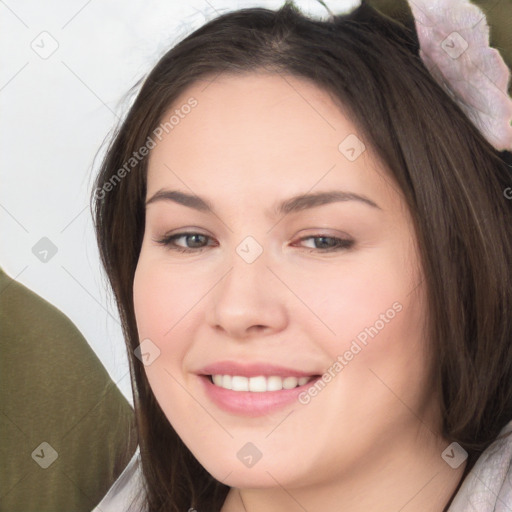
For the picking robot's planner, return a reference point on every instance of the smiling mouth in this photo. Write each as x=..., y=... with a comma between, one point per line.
x=259, y=384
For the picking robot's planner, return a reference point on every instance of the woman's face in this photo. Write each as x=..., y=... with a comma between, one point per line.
x=301, y=261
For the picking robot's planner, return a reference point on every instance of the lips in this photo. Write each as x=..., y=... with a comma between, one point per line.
x=253, y=389
x=253, y=370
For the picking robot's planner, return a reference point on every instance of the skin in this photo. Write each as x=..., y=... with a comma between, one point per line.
x=369, y=440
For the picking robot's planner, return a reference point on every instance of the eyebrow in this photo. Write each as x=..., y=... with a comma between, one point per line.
x=293, y=204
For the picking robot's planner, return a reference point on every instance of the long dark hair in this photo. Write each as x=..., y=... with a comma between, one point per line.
x=452, y=179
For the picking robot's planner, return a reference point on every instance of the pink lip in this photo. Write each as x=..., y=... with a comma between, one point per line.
x=251, y=370
x=248, y=403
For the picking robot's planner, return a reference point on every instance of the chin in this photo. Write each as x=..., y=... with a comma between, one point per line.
x=228, y=469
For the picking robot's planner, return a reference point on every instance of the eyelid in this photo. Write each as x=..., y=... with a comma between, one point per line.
x=343, y=243
x=166, y=239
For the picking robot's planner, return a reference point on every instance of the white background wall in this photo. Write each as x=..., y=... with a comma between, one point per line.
x=65, y=69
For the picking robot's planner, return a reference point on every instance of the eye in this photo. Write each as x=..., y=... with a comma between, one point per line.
x=322, y=243
x=194, y=242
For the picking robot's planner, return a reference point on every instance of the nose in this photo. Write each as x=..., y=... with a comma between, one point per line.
x=249, y=300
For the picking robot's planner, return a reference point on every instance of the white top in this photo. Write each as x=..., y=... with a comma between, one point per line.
x=486, y=488
x=120, y=497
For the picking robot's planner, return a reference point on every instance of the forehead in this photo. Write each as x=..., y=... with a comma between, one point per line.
x=258, y=132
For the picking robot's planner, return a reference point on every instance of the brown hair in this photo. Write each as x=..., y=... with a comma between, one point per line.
x=452, y=179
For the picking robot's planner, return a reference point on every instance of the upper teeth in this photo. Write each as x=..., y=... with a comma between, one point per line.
x=258, y=384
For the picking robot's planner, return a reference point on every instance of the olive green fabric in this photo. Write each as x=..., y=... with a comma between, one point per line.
x=55, y=390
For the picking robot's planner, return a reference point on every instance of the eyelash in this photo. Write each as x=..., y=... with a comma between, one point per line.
x=167, y=241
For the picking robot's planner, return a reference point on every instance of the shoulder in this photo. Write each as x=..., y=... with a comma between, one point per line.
x=127, y=490
x=488, y=486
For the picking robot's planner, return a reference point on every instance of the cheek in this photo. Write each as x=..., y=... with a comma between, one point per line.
x=161, y=302
x=164, y=306
x=373, y=313
x=360, y=299
x=162, y=298
x=379, y=368
x=169, y=302
x=379, y=351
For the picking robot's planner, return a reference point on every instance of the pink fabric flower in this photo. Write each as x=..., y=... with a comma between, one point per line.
x=454, y=45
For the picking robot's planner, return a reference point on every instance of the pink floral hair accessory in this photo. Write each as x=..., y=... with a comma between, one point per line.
x=454, y=46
